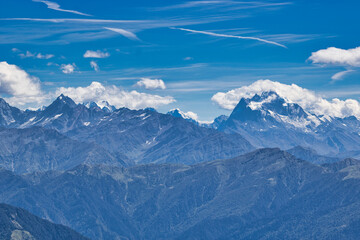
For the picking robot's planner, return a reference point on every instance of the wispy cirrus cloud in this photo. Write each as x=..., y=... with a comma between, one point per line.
x=227, y=4
x=230, y=36
x=124, y=33
x=29, y=54
x=340, y=75
x=96, y=54
x=95, y=66
x=56, y=7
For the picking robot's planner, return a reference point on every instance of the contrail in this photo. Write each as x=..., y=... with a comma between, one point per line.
x=230, y=36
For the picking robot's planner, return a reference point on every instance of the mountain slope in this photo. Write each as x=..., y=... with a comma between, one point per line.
x=39, y=149
x=140, y=136
x=311, y=155
x=266, y=194
x=148, y=136
x=16, y=223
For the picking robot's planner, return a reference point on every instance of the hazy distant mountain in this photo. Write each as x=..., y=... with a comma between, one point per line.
x=18, y=224
x=188, y=117
x=141, y=136
x=217, y=122
x=311, y=155
x=270, y=121
x=266, y=194
x=39, y=149
x=148, y=136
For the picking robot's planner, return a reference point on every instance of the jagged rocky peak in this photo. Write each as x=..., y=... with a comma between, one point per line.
x=8, y=114
x=91, y=105
x=271, y=102
x=269, y=107
x=64, y=100
x=103, y=105
x=3, y=103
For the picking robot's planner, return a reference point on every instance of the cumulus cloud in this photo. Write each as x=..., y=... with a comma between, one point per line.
x=337, y=56
x=29, y=54
x=95, y=66
x=97, y=92
x=96, y=54
x=149, y=83
x=291, y=93
x=340, y=75
x=68, y=68
x=19, y=85
x=56, y=7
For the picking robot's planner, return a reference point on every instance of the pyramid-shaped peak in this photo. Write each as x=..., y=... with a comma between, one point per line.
x=61, y=102
x=65, y=100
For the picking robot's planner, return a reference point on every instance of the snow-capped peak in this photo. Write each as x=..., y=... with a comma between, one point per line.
x=104, y=105
x=176, y=112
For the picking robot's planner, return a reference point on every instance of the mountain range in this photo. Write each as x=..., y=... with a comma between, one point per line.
x=265, y=194
x=64, y=134
x=270, y=170
x=92, y=134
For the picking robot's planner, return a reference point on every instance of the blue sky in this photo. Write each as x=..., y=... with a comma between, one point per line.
x=196, y=48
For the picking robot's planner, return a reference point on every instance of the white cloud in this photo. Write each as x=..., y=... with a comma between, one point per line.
x=124, y=33
x=186, y=115
x=149, y=83
x=44, y=56
x=291, y=93
x=29, y=54
x=341, y=75
x=229, y=5
x=96, y=92
x=19, y=85
x=95, y=66
x=230, y=36
x=68, y=68
x=96, y=54
x=55, y=6
x=188, y=58
x=337, y=56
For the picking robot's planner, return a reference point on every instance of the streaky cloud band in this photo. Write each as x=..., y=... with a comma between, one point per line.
x=230, y=36
x=56, y=7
